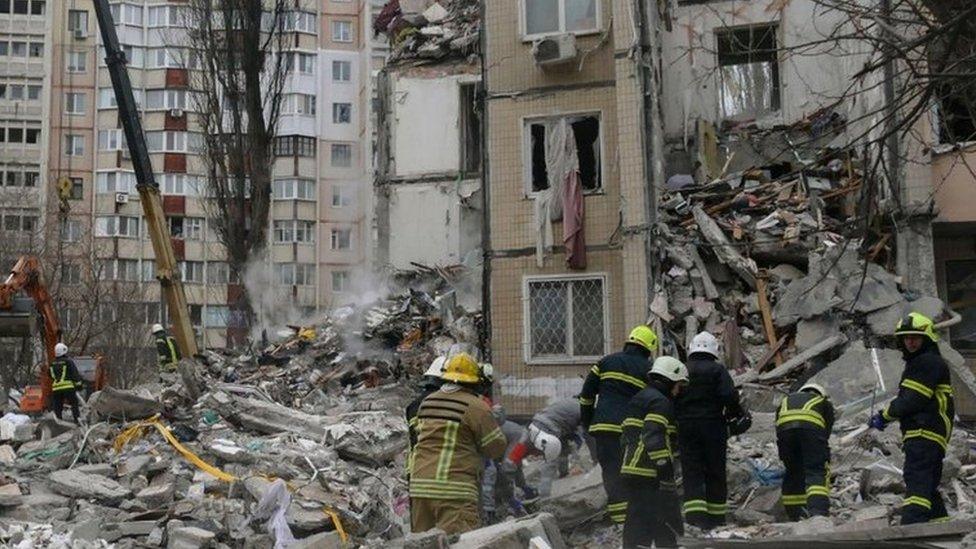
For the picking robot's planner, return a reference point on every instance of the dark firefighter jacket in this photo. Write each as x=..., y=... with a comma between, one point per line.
x=805, y=410
x=649, y=433
x=924, y=406
x=167, y=350
x=609, y=387
x=64, y=375
x=710, y=393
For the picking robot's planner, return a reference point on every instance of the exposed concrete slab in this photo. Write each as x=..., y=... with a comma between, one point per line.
x=514, y=534
x=812, y=331
x=576, y=499
x=851, y=379
x=76, y=484
x=266, y=417
x=808, y=297
x=800, y=359
x=119, y=404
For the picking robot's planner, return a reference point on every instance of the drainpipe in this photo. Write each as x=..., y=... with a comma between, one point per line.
x=485, y=335
x=651, y=141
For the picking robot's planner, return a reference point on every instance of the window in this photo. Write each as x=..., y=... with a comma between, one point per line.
x=78, y=21
x=15, y=135
x=74, y=103
x=543, y=17
x=111, y=140
x=342, y=31
x=470, y=119
x=178, y=184
x=32, y=136
x=4, y=46
x=74, y=145
x=20, y=7
x=135, y=56
x=172, y=58
x=340, y=281
x=165, y=99
x=341, y=155
x=165, y=16
x=33, y=92
x=117, y=225
x=127, y=14
x=19, y=220
x=303, y=63
x=566, y=319
x=36, y=49
x=960, y=282
x=300, y=21
x=218, y=272
x=341, y=239
x=956, y=115
x=217, y=316
x=173, y=141
x=31, y=178
x=106, y=98
x=586, y=132
x=748, y=71
x=294, y=231
x=294, y=274
x=294, y=189
x=77, y=189
x=77, y=61
x=341, y=71
x=192, y=271
x=341, y=196
x=70, y=273
x=71, y=231
x=187, y=228
x=115, y=182
x=18, y=49
x=294, y=145
x=298, y=103
x=127, y=270
x=37, y=7
x=341, y=113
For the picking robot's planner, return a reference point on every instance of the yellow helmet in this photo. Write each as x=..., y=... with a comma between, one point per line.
x=461, y=368
x=643, y=336
x=917, y=324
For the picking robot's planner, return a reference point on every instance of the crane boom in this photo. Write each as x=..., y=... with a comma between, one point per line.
x=166, y=266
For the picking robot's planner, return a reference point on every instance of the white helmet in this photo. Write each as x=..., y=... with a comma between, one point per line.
x=436, y=367
x=156, y=328
x=60, y=350
x=670, y=368
x=487, y=371
x=704, y=343
x=548, y=444
x=816, y=387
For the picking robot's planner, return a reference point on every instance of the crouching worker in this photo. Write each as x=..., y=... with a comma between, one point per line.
x=648, y=471
x=555, y=432
x=456, y=433
x=498, y=490
x=803, y=424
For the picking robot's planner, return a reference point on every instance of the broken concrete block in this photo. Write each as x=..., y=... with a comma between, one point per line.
x=812, y=526
x=870, y=513
x=307, y=520
x=879, y=479
x=431, y=539
x=871, y=292
x=576, y=499
x=189, y=537
x=325, y=540
x=122, y=404
x=883, y=321
x=514, y=534
x=16, y=427
x=851, y=380
x=372, y=438
x=103, y=469
x=750, y=517
x=133, y=465
x=10, y=495
x=435, y=13
x=76, y=484
x=265, y=417
x=7, y=455
x=52, y=427
x=807, y=297
x=155, y=497
x=801, y=359
x=813, y=331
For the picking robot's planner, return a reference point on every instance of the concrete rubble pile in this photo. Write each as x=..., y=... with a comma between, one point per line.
x=429, y=30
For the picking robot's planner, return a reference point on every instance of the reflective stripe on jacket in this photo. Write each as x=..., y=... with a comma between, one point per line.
x=64, y=375
x=805, y=410
x=609, y=387
x=648, y=438
x=924, y=406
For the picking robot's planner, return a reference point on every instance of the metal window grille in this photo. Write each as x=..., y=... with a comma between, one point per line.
x=566, y=319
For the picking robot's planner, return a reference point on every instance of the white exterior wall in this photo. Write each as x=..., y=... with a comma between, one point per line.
x=339, y=92
x=429, y=225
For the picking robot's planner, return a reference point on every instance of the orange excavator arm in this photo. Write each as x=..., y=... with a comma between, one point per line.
x=26, y=277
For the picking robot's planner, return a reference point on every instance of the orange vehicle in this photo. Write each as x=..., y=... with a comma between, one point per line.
x=17, y=320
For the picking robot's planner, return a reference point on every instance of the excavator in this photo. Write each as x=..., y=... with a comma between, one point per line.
x=26, y=275
x=17, y=320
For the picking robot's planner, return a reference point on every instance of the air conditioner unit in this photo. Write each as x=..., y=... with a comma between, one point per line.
x=176, y=113
x=555, y=50
x=121, y=198
x=80, y=34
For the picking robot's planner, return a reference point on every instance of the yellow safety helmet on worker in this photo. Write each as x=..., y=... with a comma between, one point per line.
x=462, y=368
x=917, y=324
x=644, y=336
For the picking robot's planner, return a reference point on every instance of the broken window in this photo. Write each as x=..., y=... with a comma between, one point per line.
x=558, y=16
x=748, y=71
x=470, y=128
x=960, y=281
x=586, y=130
x=566, y=319
x=957, y=113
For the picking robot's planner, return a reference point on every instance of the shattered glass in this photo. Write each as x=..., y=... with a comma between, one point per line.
x=748, y=89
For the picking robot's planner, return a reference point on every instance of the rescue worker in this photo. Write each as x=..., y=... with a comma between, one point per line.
x=701, y=412
x=500, y=490
x=804, y=420
x=555, y=431
x=65, y=382
x=607, y=390
x=649, y=442
x=924, y=409
x=430, y=382
x=168, y=353
x=456, y=433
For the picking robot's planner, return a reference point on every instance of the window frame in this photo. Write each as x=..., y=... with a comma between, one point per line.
x=335, y=25
x=524, y=22
x=71, y=58
x=71, y=150
x=336, y=63
x=778, y=90
x=527, y=281
x=332, y=156
x=527, y=122
x=338, y=109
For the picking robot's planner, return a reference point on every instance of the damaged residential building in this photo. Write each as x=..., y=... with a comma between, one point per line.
x=429, y=205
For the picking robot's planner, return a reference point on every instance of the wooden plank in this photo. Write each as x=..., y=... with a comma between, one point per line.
x=770, y=353
x=800, y=359
x=723, y=248
x=767, y=316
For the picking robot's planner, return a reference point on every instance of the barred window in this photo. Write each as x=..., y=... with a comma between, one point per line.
x=566, y=319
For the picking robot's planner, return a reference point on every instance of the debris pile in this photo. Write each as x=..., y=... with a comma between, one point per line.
x=430, y=30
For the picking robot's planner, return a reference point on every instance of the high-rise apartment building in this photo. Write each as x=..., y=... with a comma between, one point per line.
x=64, y=160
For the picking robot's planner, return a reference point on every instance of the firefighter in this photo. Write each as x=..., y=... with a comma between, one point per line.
x=168, y=353
x=803, y=423
x=554, y=433
x=501, y=488
x=430, y=382
x=456, y=433
x=649, y=431
x=924, y=409
x=607, y=390
x=65, y=382
x=701, y=412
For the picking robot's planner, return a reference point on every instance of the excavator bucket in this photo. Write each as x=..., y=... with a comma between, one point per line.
x=19, y=320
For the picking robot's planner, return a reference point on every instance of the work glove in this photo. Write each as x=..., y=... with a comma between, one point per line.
x=878, y=422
